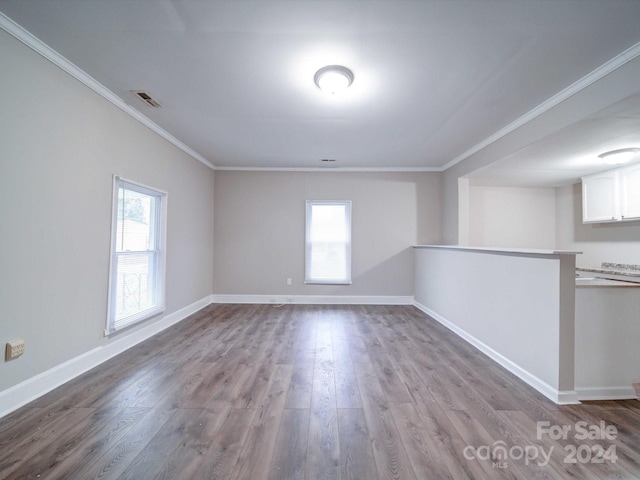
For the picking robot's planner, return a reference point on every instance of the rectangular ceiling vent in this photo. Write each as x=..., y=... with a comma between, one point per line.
x=146, y=98
x=328, y=163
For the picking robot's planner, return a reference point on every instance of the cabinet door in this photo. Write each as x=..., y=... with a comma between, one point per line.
x=599, y=197
x=630, y=189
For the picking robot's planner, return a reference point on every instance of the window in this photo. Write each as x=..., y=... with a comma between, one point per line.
x=136, y=281
x=328, y=242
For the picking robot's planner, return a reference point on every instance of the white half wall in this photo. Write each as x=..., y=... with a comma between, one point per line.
x=516, y=307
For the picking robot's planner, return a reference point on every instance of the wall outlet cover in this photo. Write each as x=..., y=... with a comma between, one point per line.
x=14, y=349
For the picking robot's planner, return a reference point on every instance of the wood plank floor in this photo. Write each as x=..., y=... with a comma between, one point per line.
x=312, y=392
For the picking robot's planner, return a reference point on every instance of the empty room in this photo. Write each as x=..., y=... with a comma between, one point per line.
x=319, y=239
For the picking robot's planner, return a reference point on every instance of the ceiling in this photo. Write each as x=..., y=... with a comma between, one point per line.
x=433, y=79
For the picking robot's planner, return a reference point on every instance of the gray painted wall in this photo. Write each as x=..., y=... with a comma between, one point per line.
x=61, y=144
x=260, y=228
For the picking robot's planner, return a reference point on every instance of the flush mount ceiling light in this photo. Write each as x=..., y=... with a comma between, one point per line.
x=616, y=157
x=333, y=78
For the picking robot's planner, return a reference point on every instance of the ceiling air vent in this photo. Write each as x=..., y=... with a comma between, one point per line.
x=146, y=98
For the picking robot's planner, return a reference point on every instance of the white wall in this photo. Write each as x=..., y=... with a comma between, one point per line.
x=61, y=143
x=600, y=242
x=260, y=228
x=512, y=217
x=548, y=218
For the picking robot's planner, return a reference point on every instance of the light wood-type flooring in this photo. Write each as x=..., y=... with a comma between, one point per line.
x=312, y=392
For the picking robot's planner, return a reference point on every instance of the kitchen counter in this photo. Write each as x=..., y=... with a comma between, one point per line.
x=609, y=275
x=582, y=282
x=607, y=358
x=632, y=274
x=607, y=331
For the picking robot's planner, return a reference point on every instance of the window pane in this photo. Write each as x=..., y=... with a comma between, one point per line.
x=328, y=242
x=328, y=223
x=328, y=260
x=136, y=287
x=135, y=225
x=135, y=278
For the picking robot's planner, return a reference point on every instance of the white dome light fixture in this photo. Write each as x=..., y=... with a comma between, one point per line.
x=333, y=79
x=618, y=157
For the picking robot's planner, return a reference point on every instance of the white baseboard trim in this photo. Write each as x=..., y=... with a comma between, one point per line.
x=27, y=391
x=557, y=396
x=606, y=393
x=566, y=397
x=316, y=299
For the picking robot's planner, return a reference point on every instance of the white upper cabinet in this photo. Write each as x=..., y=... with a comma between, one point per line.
x=600, y=197
x=630, y=192
x=612, y=196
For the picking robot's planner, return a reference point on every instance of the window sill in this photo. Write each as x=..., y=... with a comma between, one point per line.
x=134, y=320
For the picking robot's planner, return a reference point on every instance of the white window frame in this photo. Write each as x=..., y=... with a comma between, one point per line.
x=157, y=253
x=309, y=279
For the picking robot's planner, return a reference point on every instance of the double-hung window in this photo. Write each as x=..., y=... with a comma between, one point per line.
x=328, y=242
x=136, y=281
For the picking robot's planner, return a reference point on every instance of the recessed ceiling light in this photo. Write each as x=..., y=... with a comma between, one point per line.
x=333, y=78
x=617, y=157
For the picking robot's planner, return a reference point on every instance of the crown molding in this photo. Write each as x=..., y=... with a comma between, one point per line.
x=15, y=30
x=332, y=169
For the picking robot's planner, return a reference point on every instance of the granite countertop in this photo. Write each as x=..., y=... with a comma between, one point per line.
x=609, y=275
x=612, y=271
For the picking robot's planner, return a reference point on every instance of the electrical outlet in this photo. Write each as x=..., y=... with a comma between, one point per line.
x=15, y=348
x=288, y=281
